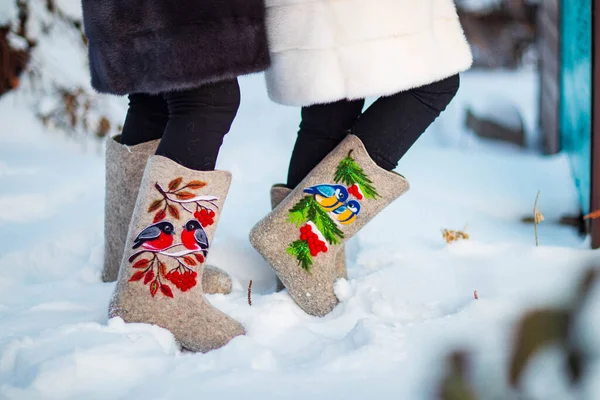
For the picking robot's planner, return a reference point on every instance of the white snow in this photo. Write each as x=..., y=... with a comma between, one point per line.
x=487, y=6
x=8, y=12
x=71, y=8
x=501, y=111
x=480, y=5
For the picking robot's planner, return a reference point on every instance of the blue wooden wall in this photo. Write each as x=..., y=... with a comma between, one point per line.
x=576, y=92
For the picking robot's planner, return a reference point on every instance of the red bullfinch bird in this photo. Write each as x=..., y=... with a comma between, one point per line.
x=156, y=237
x=194, y=237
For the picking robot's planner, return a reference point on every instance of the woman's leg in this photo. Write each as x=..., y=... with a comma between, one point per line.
x=323, y=127
x=393, y=124
x=146, y=119
x=198, y=121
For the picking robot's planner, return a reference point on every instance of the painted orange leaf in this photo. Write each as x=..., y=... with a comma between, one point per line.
x=160, y=216
x=594, y=215
x=155, y=205
x=137, y=276
x=199, y=257
x=173, y=211
x=189, y=261
x=194, y=185
x=174, y=184
x=149, y=277
x=154, y=288
x=141, y=264
x=162, y=268
x=185, y=195
x=166, y=290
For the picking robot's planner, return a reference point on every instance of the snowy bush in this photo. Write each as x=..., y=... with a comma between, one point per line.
x=49, y=67
x=558, y=333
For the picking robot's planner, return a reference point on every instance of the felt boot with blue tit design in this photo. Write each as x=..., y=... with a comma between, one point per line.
x=302, y=238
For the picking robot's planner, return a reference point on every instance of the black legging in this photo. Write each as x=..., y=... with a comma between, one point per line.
x=191, y=123
x=388, y=128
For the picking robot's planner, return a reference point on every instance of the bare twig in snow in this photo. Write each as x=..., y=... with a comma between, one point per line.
x=250, y=293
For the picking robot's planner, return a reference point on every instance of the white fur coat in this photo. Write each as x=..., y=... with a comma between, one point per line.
x=327, y=50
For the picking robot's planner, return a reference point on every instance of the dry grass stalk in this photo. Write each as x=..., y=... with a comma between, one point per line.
x=74, y=113
x=538, y=217
x=451, y=236
x=103, y=127
x=250, y=294
x=12, y=62
x=593, y=215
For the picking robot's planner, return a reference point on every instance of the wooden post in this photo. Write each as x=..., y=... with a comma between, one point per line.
x=595, y=181
x=549, y=47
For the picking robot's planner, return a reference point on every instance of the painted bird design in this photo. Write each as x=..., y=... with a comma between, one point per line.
x=194, y=237
x=156, y=237
x=329, y=197
x=347, y=213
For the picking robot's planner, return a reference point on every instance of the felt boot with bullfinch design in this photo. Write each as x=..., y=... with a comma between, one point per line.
x=124, y=170
x=169, y=238
x=278, y=194
x=302, y=237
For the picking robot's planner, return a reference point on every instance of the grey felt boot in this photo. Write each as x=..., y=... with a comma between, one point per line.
x=124, y=170
x=301, y=238
x=171, y=229
x=278, y=194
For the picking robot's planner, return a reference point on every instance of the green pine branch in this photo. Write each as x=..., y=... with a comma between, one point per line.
x=327, y=226
x=298, y=213
x=349, y=173
x=300, y=250
x=308, y=209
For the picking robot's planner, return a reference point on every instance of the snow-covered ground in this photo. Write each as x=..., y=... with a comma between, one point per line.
x=408, y=300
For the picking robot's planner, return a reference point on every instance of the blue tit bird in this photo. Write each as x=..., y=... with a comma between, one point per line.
x=347, y=214
x=329, y=197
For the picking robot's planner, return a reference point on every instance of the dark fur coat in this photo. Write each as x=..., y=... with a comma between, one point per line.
x=157, y=46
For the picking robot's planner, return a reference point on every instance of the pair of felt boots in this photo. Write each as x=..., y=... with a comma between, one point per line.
x=156, y=246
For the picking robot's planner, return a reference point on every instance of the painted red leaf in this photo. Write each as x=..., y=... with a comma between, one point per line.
x=189, y=261
x=162, y=268
x=155, y=205
x=149, y=277
x=160, y=216
x=185, y=195
x=199, y=257
x=174, y=184
x=137, y=276
x=194, y=185
x=166, y=290
x=154, y=288
x=173, y=211
x=141, y=264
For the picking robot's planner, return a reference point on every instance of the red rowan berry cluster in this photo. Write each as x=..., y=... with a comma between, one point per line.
x=315, y=244
x=205, y=216
x=354, y=190
x=185, y=281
